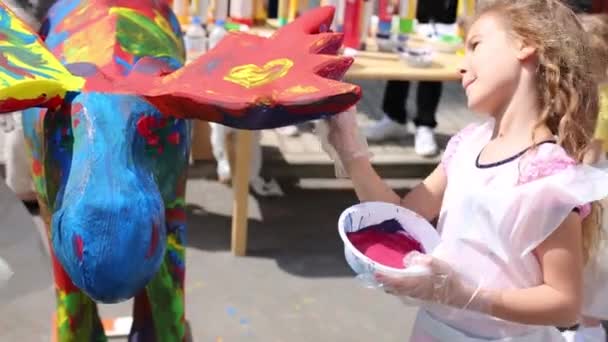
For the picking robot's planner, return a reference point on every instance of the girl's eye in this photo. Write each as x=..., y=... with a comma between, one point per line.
x=474, y=45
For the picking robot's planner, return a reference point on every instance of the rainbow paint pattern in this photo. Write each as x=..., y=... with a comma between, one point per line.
x=28, y=69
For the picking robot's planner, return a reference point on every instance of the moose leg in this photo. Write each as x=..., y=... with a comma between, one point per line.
x=159, y=312
x=76, y=316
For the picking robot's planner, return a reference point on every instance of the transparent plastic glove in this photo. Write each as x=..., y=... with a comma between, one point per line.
x=342, y=139
x=439, y=284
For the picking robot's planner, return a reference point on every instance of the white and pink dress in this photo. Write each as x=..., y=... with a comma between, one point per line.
x=492, y=218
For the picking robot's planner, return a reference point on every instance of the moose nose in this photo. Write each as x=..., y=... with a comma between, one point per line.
x=111, y=245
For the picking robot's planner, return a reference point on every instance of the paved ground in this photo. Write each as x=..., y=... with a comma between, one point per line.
x=294, y=285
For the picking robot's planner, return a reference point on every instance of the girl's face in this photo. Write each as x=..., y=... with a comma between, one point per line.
x=492, y=65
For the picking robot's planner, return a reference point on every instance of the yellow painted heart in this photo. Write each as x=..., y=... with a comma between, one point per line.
x=251, y=75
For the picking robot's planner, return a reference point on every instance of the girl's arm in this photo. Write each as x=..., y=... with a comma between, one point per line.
x=424, y=199
x=558, y=301
x=344, y=138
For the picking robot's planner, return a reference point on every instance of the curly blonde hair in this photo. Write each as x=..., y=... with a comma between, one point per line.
x=567, y=88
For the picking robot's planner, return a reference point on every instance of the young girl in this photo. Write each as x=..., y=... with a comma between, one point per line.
x=517, y=212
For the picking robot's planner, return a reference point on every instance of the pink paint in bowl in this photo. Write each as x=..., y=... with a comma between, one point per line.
x=378, y=235
x=386, y=243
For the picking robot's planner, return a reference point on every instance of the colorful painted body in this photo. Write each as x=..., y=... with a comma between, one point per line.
x=110, y=142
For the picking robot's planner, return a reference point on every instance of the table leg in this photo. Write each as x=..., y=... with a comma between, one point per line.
x=244, y=139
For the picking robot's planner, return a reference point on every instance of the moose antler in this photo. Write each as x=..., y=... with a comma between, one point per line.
x=29, y=74
x=253, y=82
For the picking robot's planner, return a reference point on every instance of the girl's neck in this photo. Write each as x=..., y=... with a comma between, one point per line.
x=516, y=121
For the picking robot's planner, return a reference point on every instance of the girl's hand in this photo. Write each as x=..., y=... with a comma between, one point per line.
x=441, y=285
x=342, y=139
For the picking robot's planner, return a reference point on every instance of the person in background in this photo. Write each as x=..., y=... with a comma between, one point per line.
x=393, y=124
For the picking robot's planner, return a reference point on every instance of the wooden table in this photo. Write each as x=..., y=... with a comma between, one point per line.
x=370, y=65
x=367, y=65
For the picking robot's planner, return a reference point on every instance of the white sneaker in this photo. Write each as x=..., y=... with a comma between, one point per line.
x=569, y=335
x=224, y=173
x=289, y=131
x=385, y=129
x=265, y=189
x=424, y=142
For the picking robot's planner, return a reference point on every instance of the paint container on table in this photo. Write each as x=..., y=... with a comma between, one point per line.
x=383, y=32
x=241, y=11
x=293, y=10
x=220, y=10
x=181, y=9
x=260, y=12
x=313, y=4
x=366, y=18
x=385, y=17
x=195, y=39
x=378, y=235
x=303, y=7
x=200, y=8
x=407, y=20
x=341, y=13
x=283, y=15
x=336, y=24
x=352, y=24
x=217, y=33
x=236, y=27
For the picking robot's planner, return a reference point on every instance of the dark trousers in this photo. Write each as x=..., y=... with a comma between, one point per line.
x=427, y=100
x=439, y=11
x=428, y=93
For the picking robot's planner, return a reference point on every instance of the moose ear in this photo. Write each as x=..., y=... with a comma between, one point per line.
x=30, y=76
x=252, y=82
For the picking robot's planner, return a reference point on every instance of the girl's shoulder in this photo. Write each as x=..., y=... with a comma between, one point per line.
x=545, y=160
x=548, y=160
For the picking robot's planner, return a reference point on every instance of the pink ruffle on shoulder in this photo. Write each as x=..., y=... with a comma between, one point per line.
x=548, y=160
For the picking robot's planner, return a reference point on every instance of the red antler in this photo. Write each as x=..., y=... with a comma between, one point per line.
x=254, y=82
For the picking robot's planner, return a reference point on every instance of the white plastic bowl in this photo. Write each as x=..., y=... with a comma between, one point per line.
x=418, y=57
x=446, y=43
x=368, y=214
x=385, y=44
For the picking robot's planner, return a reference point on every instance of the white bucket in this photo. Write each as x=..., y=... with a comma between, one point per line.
x=369, y=214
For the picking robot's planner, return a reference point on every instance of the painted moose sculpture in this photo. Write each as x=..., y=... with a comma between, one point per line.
x=107, y=129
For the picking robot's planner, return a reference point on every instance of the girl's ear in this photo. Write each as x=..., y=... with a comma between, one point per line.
x=525, y=50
